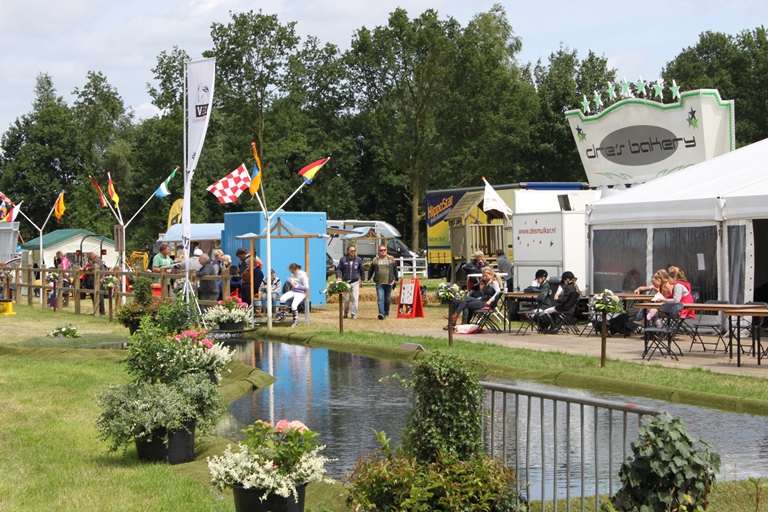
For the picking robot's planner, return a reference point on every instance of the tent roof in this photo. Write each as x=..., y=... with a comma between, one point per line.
x=730, y=186
x=58, y=236
x=198, y=232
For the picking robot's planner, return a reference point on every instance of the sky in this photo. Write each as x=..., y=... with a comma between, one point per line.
x=123, y=39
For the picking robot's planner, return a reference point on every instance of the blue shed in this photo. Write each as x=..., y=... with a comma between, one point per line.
x=300, y=234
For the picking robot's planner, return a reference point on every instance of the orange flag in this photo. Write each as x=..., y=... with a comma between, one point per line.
x=58, y=209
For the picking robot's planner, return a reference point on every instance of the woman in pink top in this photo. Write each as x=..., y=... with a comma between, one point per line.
x=61, y=261
x=681, y=290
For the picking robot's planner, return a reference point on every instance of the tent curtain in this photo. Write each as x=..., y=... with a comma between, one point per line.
x=737, y=244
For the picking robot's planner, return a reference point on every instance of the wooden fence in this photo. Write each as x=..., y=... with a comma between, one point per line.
x=23, y=285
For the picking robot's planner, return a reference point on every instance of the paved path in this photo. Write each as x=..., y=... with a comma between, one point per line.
x=625, y=349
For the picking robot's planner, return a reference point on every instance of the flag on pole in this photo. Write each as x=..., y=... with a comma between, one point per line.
x=11, y=217
x=111, y=189
x=5, y=199
x=256, y=176
x=308, y=172
x=102, y=201
x=229, y=188
x=162, y=191
x=492, y=201
x=58, y=209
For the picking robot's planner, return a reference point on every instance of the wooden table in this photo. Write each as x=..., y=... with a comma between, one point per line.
x=747, y=310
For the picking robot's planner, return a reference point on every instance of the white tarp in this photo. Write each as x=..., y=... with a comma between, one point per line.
x=730, y=187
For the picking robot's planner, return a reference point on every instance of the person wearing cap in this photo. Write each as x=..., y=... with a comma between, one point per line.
x=193, y=263
x=542, y=284
x=475, y=267
x=352, y=271
x=565, y=302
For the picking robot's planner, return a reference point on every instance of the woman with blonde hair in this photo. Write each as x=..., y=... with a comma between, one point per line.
x=681, y=290
x=483, y=294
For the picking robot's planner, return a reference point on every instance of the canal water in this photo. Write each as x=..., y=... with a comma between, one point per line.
x=342, y=396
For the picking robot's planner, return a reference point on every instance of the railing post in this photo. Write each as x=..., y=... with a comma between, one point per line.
x=76, y=293
x=30, y=286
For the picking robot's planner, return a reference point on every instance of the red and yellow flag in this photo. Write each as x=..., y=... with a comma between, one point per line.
x=102, y=201
x=309, y=171
x=111, y=189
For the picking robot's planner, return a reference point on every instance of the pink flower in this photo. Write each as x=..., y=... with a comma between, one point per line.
x=282, y=425
x=207, y=343
x=221, y=303
x=298, y=426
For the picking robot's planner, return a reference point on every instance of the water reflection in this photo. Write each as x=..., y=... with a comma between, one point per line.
x=340, y=396
x=335, y=393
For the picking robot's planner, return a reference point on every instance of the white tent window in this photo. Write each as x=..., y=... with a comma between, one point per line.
x=694, y=250
x=737, y=241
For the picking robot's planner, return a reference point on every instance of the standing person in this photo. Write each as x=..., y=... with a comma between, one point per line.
x=218, y=260
x=244, y=257
x=276, y=286
x=61, y=261
x=94, y=263
x=162, y=262
x=207, y=289
x=505, y=267
x=383, y=272
x=299, y=288
x=351, y=270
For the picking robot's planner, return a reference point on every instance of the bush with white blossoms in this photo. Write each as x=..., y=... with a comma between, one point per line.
x=231, y=309
x=64, y=331
x=108, y=282
x=607, y=302
x=276, y=459
x=52, y=277
x=446, y=292
x=336, y=287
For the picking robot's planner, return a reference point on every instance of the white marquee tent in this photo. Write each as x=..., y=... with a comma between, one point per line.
x=710, y=219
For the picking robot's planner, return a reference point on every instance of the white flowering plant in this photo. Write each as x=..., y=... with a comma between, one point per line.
x=109, y=282
x=231, y=309
x=64, y=331
x=446, y=292
x=179, y=284
x=5, y=274
x=276, y=459
x=52, y=277
x=155, y=357
x=606, y=302
x=336, y=287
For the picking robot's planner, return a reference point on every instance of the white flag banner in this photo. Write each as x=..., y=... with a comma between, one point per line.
x=493, y=201
x=201, y=75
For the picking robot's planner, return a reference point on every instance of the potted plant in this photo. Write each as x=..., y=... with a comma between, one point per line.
x=159, y=417
x=607, y=304
x=143, y=305
x=154, y=356
x=229, y=314
x=271, y=468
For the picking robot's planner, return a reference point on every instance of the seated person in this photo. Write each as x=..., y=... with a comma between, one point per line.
x=566, y=301
x=474, y=267
x=275, y=288
x=245, y=280
x=483, y=295
x=299, y=282
x=542, y=284
x=681, y=291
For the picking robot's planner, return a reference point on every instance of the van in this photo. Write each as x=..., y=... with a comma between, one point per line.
x=366, y=247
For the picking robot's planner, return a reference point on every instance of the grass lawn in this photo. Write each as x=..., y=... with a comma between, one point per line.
x=52, y=458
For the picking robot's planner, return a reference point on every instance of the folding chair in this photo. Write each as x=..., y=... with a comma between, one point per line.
x=489, y=317
x=565, y=321
x=662, y=336
x=529, y=319
x=713, y=321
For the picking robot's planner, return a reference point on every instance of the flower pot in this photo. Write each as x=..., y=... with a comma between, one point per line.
x=249, y=500
x=180, y=449
x=231, y=326
x=133, y=326
x=212, y=377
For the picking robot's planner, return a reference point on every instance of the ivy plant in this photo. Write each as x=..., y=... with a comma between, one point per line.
x=667, y=470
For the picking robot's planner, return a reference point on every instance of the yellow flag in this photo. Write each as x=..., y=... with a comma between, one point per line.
x=58, y=209
x=174, y=216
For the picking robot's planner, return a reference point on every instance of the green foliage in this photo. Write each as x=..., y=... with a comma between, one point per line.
x=394, y=481
x=138, y=409
x=667, y=471
x=175, y=317
x=142, y=290
x=446, y=421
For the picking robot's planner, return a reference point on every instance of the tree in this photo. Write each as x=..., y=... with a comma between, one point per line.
x=735, y=66
x=41, y=156
x=402, y=72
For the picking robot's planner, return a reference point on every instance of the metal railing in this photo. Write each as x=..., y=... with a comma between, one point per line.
x=560, y=446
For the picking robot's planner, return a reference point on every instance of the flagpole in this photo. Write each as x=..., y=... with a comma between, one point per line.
x=139, y=210
x=41, y=239
x=186, y=205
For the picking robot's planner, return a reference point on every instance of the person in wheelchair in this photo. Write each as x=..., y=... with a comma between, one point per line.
x=485, y=293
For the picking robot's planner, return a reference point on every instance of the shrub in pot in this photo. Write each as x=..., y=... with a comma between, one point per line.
x=141, y=411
